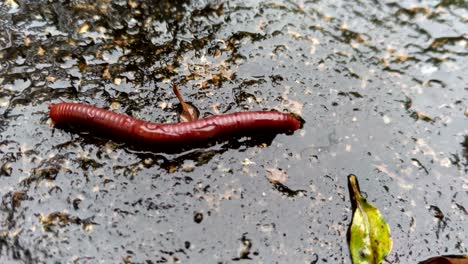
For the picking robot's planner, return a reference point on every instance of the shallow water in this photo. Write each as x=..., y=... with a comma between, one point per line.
x=382, y=87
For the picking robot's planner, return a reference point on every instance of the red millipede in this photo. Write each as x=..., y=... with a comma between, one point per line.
x=148, y=134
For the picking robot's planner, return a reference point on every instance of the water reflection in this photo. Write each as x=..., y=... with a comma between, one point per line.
x=381, y=86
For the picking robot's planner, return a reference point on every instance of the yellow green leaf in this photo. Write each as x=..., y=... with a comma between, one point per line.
x=369, y=234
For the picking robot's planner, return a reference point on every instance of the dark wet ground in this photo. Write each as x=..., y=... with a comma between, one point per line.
x=382, y=87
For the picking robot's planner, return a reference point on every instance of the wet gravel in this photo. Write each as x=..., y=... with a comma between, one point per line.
x=382, y=87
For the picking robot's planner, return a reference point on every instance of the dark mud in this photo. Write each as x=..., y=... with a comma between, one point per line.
x=382, y=87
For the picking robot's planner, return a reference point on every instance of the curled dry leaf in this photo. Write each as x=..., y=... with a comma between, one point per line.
x=189, y=112
x=450, y=259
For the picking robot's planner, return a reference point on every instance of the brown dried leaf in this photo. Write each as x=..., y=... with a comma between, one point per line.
x=40, y=51
x=83, y=29
x=106, y=73
x=189, y=112
x=276, y=175
x=451, y=259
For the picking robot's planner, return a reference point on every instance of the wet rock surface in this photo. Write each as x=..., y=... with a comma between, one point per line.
x=382, y=87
